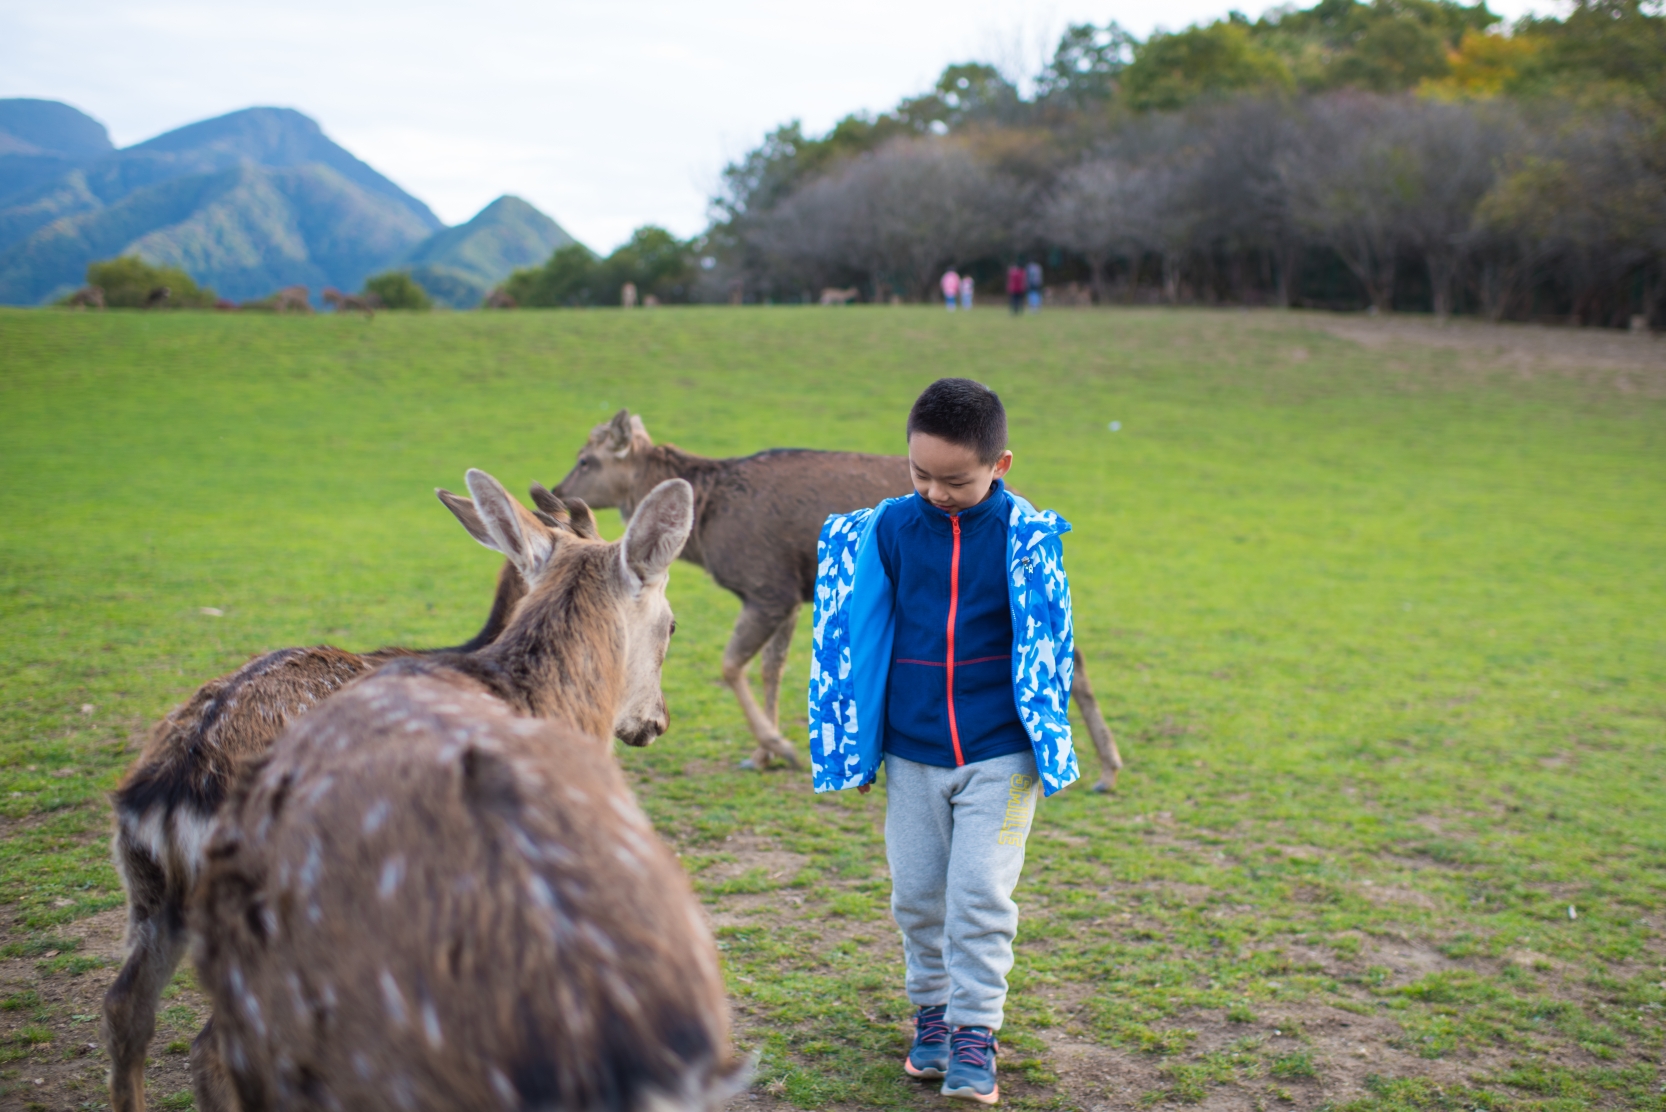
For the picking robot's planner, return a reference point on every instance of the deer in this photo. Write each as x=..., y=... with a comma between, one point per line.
x=166, y=804
x=438, y=891
x=351, y=302
x=756, y=522
x=832, y=295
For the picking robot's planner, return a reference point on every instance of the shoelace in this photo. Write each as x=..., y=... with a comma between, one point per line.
x=932, y=1025
x=973, y=1046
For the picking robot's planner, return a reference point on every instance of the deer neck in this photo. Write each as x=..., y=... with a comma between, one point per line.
x=560, y=659
x=667, y=461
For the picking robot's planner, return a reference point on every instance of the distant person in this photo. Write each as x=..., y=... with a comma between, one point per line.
x=1015, y=288
x=1032, y=285
x=961, y=571
x=951, y=289
x=966, y=291
x=627, y=295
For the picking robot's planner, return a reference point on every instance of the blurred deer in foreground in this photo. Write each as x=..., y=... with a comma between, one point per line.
x=439, y=893
x=166, y=805
x=755, y=534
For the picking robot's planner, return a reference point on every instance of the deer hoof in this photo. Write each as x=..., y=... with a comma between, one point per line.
x=1104, y=787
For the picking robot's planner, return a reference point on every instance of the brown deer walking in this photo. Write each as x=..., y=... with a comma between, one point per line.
x=166, y=805
x=755, y=527
x=439, y=893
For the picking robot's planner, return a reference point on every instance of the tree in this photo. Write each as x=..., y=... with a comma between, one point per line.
x=656, y=261
x=130, y=282
x=568, y=279
x=1086, y=66
x=1171, y=71
x=396, y=289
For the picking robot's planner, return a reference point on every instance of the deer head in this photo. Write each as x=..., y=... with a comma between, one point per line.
x=605, y=471
x=588, y=641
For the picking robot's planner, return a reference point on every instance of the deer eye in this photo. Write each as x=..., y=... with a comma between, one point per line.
x=673, y=627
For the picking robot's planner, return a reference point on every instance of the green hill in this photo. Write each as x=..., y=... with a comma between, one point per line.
x=245, y=202
x=459, y=266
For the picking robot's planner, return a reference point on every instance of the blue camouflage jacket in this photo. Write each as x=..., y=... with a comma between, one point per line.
x=854, y=626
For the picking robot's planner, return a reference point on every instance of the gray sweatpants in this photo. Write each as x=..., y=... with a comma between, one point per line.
x=955, y=841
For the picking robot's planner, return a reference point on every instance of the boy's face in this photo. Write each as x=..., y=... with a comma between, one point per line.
x=950, y=476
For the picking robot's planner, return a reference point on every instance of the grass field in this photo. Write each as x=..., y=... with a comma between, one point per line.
x=1377, y=617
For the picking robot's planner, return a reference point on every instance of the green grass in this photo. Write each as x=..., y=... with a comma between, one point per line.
x=1380, y=633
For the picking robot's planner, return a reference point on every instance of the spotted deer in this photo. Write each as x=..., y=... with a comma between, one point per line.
x=166, y=804
x=756, y=520
x=439, y=893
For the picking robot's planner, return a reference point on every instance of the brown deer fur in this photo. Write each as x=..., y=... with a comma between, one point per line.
x=756, y=521
x=166, y=804
x=438, y=891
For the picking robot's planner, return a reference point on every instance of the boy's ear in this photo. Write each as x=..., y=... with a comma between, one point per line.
x=1004, y=464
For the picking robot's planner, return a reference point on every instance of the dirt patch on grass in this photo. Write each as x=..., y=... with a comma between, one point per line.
x=49, y=1025
x=1621, y=362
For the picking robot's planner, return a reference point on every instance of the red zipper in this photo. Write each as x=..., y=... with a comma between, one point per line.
x=954, y=605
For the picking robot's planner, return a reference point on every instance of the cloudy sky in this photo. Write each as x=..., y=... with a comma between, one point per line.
x=606, y=116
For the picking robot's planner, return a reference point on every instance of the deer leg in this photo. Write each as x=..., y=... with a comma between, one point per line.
x=755, y=627
x=209, y=1079
x=774, y=663
x=1110, y=761
x=156, y=935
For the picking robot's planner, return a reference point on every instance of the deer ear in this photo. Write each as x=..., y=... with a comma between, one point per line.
x=513, y=530
x=658, y=530
x=583, y=521
x=619, y=434
x=464, y=509
x=549, y=503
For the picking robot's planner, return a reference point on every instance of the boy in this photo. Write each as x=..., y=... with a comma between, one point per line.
x=943, y=647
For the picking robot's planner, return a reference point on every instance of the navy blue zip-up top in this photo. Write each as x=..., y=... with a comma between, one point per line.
x=949, y=700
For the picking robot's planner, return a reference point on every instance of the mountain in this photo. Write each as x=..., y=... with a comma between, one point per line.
x=459, y=266
x=43, y=139
x=247, y=202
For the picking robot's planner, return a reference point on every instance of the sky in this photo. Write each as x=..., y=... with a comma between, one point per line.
x=606, y=116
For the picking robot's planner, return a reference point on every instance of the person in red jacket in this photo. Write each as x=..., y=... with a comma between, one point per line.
x=1017, y=286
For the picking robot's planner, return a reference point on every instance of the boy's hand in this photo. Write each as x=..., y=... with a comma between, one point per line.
x=864, y=789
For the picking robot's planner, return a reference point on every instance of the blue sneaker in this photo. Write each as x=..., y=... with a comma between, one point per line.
x=929, y=1056
x=971, y=1072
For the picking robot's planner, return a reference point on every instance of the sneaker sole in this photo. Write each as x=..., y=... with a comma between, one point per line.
x=969, y=1093
x=927, y=1074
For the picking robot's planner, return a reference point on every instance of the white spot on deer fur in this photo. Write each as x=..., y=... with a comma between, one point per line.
x=393, y=999
x=538, y=888
x=431, y=1025
x=235, y=976
x=191, y=836
x=297, y=998
x=313, y=866
x=500, y=1085
x=235, y=1055
x=525, y=726
x=269, y=920
x=377, y=815
x=599, y=940
x=251, y=1008
x=624, y=809
x=401, y=1087
x=577, y=795
x=627, y=858
x=621, y=992
x=525, y=845
x=318, y=791
x=362, y=1066
x=393, y=871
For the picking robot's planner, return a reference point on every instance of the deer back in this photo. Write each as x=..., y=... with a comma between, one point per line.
x=423, y=901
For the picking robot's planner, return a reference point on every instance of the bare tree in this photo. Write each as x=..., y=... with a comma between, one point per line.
x=1101, y=209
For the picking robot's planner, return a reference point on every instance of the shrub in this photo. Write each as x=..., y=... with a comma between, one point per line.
x=398, y=290
x=128, y=283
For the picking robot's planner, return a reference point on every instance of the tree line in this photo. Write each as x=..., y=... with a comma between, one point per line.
x=1404, y=154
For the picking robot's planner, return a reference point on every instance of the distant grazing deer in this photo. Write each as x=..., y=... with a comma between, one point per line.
x=755, y=529
x=439, y=892
x=832, y=296
x=157, y=297
x=351, y=302
x=87, y=297
x=167, y=803
x=292, y=299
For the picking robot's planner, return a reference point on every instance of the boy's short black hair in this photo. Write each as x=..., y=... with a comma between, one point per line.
x=962, y=412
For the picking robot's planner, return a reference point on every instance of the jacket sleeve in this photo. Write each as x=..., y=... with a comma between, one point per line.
x=842, y=753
